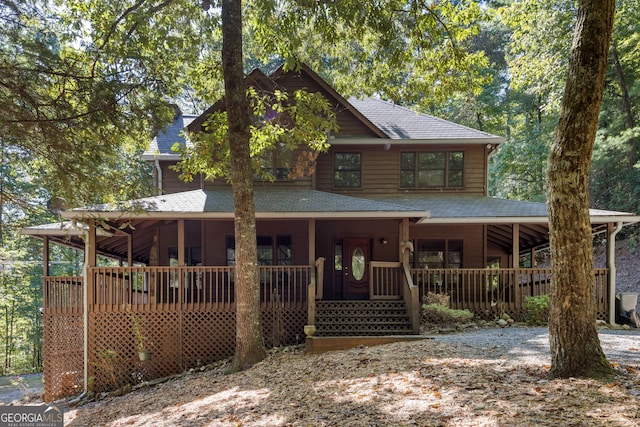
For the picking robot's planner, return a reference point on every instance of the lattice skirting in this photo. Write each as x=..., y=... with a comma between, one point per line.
x=283, y=326
x=63, y=349
x=178, y=341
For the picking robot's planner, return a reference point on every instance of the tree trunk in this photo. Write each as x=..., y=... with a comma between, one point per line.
x=249, y=341
x=575, y=346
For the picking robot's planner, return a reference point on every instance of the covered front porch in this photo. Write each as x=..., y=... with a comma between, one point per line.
x=172, y=271
x=188, y=313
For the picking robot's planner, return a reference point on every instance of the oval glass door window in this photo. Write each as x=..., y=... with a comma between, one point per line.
x=357, y=264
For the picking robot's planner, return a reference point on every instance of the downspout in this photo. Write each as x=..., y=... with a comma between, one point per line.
x=611, y=264
x=159, y=175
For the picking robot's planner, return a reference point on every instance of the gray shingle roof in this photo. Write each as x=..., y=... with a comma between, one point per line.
x=398, y=123
x=282, y=202
x=402, y=123
x=162, y=143
x=485, y=208
x=470, y=206
x=270, y=203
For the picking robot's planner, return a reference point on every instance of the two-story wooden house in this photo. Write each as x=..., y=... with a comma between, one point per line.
x=397, y=208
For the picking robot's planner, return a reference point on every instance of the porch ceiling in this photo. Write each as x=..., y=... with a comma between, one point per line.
x=531, y=236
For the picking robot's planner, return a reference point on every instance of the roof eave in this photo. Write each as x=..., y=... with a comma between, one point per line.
x=160, y=156
x=380, y=141
x=487, y=220
x=595, y=219
x=71, y=232
x=123, y=215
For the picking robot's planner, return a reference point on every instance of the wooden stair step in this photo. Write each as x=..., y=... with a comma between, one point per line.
x=362, y=318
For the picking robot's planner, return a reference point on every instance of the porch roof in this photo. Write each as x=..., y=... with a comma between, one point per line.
x=269, y=203
x=499, y=215
x=491, y=210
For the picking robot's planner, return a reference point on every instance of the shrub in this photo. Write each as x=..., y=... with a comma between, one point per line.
x=433, y=298
x=440, y=314
x=537, y=310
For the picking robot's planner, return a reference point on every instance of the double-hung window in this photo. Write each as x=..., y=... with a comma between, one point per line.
x=432, y=169
x=275, y=164
x=347, y=170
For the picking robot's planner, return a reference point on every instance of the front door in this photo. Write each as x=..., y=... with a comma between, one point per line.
x=356, y=268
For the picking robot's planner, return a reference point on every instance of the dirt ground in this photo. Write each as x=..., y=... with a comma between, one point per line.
x=424, y=383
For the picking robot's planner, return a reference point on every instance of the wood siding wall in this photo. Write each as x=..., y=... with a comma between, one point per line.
x=211, y=238
x=380, y=166
x=381, y=170
x=172, y=184
x=348, y=124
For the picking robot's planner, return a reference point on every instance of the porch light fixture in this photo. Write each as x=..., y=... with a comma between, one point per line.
x=383, y=241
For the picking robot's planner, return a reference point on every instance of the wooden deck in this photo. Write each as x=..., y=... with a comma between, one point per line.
x=189, y=314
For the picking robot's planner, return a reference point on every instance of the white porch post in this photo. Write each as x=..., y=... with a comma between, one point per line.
x=611, y=265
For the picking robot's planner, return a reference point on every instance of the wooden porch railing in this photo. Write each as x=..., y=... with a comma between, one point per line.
x=502, y=289
x=385, y=280
x=205, y=288
x=411, y=299
x=392, y=280
x=173, y=288
x=63, y=294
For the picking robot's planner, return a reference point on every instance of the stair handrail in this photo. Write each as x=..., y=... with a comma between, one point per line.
x=311, y=303
x=312, y=293
x=319, y=277
x=411, y=299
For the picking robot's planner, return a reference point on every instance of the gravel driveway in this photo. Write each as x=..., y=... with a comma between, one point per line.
x=522, y=343
x=30, y=385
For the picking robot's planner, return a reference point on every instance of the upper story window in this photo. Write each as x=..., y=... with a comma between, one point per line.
x=431, y=169
x=347, y=170
x=276, y=164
